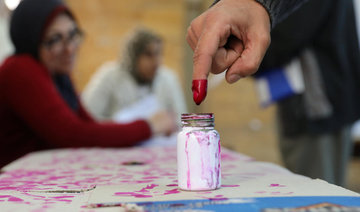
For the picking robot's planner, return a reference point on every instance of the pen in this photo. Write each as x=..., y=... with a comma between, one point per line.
x=127, y=206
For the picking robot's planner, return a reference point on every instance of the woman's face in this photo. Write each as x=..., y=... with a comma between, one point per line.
x=60, y=45
x=149, y=61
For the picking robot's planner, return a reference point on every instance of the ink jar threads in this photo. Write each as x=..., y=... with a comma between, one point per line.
x=198, y=153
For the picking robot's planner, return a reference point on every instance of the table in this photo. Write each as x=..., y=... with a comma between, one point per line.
x=145, y=179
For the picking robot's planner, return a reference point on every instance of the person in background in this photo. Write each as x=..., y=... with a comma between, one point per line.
x=5, y=43
x=137, y=80
x=39, y=108
x=314, y=126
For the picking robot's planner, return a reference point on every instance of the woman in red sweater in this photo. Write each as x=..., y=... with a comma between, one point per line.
x=39, y=108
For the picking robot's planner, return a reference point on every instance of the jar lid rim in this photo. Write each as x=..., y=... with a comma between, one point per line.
x=188, y=114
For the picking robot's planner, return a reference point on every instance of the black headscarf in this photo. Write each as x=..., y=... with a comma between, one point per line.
x=27, y=25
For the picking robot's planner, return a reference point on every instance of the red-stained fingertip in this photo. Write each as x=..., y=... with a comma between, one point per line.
x=199, y=89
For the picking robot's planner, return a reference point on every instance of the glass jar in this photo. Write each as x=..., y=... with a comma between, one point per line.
x=198, y=153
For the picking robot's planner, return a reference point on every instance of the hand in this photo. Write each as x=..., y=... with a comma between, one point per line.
x=163, y=122
x=232, y=35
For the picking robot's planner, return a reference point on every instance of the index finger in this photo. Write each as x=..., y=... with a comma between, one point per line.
x=205, y=50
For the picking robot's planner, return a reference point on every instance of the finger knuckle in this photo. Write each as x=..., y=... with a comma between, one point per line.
x=250, y=67
x=265, y=39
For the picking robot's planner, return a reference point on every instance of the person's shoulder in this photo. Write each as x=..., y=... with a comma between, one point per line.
x=108, y=70
x=166, y=77
x=21, y=60
x=22, y=64
x=107, y=67
x=166, y=73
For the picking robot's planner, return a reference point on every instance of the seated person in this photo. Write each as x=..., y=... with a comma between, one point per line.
x=137, y=86
x=39, y=108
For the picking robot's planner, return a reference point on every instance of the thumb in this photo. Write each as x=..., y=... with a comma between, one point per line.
x=248, y=63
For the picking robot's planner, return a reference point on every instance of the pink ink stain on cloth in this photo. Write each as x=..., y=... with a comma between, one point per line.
x=276, y=185
x=172, y=185
x=53, y=178
x=143, y=190
x=141, y=196
x=136, y=182
x=143, y=181
x=8, y=188
x=62, y=197
x=132, y=194
x=173, y=191
x=4, y=196
x=230, y=186
x=15, y=199
x=260, y=192
x=64, y=200
x=149, y=178
x=151, y=186
x=124, y=194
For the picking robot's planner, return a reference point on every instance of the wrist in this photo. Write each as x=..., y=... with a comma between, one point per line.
x=152, y=127
x=267, y=8
x=264, y=4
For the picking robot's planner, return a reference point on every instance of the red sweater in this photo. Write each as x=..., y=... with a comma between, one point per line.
x=33, y=115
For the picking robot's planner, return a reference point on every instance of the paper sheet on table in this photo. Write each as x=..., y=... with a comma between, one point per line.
x=143, y=109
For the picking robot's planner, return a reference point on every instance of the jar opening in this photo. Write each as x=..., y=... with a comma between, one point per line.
x=197, y=119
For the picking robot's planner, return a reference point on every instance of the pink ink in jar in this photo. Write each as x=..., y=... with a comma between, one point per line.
x=198, y=153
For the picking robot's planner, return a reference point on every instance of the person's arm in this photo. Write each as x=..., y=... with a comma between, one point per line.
x=84, y=114
x=33, y=97
x=232, y=35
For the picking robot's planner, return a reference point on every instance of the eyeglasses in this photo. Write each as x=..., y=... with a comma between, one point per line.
x=58, y=42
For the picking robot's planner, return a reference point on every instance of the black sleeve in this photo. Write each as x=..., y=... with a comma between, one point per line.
x=278, y=9
x=297, y=32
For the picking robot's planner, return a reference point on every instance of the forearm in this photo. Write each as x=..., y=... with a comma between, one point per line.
x=33, y=98
x=82, y=134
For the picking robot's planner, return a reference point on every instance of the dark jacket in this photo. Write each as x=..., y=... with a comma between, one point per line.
x=278, y=9
x=327, y=27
